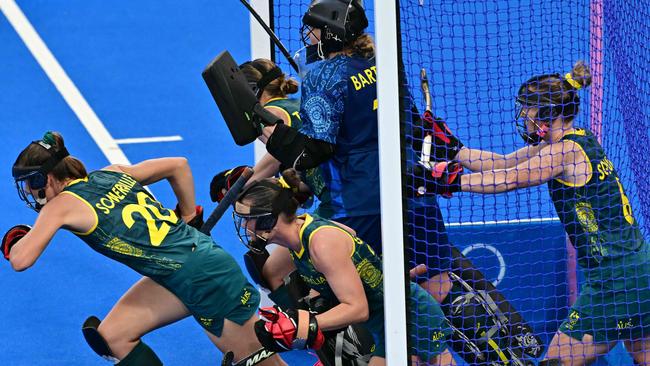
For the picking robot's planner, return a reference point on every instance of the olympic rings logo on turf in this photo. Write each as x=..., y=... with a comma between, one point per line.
x=496, y=252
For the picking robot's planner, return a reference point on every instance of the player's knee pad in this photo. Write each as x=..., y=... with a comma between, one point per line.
x=95, y=339
x=141, y=355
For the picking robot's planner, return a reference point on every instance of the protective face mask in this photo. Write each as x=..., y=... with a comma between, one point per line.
x=307, y=58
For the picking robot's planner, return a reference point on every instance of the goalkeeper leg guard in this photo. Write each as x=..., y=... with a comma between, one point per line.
x=550, y=362
x=141, y=355
x=486, y=327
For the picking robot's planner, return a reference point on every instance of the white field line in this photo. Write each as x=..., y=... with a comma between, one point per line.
x=143, y=140
x=62, y=82
x=499, y=222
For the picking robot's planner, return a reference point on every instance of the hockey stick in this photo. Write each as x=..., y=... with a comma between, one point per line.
x=250, y=360
x=425, y=157
x=271, y=34
x=227, y=200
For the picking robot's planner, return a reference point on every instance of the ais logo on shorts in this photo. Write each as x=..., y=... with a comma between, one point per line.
x=574, y=317
x=245, y=297
x=207, y=322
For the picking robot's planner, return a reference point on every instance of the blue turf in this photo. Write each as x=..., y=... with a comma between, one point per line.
x=138, y=64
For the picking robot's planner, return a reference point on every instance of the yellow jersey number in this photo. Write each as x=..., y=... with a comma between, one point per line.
x=627, y=208
x=148, y=208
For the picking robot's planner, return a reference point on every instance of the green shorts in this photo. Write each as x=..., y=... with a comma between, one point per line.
x=428, y=327
x=610, y=315
x=213, y=288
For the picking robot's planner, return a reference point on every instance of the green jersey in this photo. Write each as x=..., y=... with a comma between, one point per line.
x=598, y=217
x=364, y=258
x=131, y=227
x=428, y=328
x=290, y=107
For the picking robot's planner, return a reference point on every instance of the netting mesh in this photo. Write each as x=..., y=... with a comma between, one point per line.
x=476, y=55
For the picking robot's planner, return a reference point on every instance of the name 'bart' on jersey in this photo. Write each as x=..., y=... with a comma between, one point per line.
x=366, y=77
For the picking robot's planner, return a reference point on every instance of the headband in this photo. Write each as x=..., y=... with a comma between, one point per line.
x=268, y=77
x=569, y=78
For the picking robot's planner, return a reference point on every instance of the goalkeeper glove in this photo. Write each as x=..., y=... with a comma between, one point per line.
x=442, y=179
x=440, y=139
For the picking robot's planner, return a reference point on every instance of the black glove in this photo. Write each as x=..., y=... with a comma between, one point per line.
x=445, y=146
x=281, y=331
x=12, y=236
x=222, y=182
x=197, y=221
x=443, y=179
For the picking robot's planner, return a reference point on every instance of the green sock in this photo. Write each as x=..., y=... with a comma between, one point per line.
x=141, y=355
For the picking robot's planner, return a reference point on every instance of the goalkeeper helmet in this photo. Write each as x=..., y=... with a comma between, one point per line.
x=255, y=218
x=552, y=96
x=340, y=22
x=30, y=171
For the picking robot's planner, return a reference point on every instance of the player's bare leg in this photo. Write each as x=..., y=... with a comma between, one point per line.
x=573, y=352
x=639, y=350
x=242, y=341
x=444, y=359
x=438, y=286
x=144, y=307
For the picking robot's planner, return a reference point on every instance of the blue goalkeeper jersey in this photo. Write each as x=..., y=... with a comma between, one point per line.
x=339, y=106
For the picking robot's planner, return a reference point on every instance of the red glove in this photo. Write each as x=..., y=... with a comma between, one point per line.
x=12, y=236
x=222, y=182
x=197, y=220
x=445, y=145
x=443, y=179
x=281, y=331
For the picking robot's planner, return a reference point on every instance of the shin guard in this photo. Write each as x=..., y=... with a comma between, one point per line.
x=141, y=355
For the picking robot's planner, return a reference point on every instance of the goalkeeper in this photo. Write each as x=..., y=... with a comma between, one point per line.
x=272, y=87
x=335, y=148
x=614, y=302
x=339, y=265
